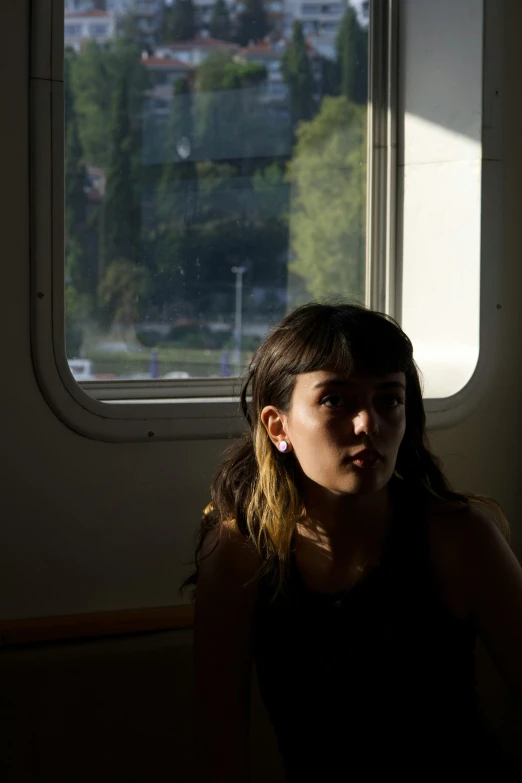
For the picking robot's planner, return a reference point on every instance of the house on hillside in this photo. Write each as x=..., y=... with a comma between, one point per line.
x=148, y=14
x=163, y=72
x=196, y=51
x=270, y=56
x=92, y=25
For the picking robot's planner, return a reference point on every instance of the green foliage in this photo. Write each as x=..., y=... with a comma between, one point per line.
x=191, y=336
x=220, y=25
x=328, y=203
x=330, y=77
x=216, y=197
x=77, y=308
x=352, y=58
x=129, y=31
x=119, y=224
x=252, y=23
x=210, y=74
x=271, y=191
x=192, y=267
x=94, y=75
x=149, y=338
x=91, y=84
x=229, y=116
x=179, y=22
x=123, y=290
x=298, y=75
x=79, y=268
x=220, y=72
x=177, y=189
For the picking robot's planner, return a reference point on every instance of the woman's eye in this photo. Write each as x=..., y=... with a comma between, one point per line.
x=332, y=401
x=387, y=401
x=392, y=401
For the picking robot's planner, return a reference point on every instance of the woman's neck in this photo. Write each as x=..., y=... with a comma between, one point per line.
x=352, y=519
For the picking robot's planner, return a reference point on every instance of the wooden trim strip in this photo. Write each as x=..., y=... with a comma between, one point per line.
x=84, y=626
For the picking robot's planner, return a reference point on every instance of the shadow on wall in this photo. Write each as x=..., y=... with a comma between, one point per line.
x=108, y=710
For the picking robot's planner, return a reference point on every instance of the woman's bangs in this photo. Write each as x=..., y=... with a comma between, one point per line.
x=322, y=347
x=372, y=347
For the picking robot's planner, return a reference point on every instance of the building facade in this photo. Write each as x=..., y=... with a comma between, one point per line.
x=148, y=14
x=91, y=25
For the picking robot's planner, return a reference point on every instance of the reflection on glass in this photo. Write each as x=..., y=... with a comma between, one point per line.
x=215, y=178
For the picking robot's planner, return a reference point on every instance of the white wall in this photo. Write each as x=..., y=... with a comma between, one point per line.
x=439, y=178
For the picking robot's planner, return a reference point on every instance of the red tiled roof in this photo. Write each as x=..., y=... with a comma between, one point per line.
x=199, y=42
x=81, y=14
x=257, y=49
x=165, y=61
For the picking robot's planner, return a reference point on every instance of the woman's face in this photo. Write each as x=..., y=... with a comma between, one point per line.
x=333, y=418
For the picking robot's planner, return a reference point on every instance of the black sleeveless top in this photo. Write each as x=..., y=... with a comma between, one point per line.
x=383, y=684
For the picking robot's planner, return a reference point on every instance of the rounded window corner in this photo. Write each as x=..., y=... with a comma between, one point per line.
x=445, y=412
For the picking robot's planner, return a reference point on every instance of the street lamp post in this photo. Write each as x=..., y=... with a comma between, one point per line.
x=239, y=272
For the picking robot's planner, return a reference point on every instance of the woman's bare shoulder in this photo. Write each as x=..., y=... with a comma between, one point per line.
x=459, y=538
x=228, y=555
x=450, y=518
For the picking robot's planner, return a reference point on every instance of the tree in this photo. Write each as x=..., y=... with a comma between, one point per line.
x=220, y=26
x=92, y=90
x=94, y=76
x=78, y=272
x=119, y=224
x=252, y=23
x=121, y=292
x=298, y=75
x=177, y=190
x=328, y=200
x=179, y=22
x=330, y=76
x=352, y=58
x=228, y=114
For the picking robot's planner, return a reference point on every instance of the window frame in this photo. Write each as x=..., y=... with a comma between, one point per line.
x=207, y=408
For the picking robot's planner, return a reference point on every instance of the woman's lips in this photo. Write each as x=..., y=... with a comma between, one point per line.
x=366, y=458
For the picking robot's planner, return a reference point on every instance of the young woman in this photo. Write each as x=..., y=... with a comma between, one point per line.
x=335, y=556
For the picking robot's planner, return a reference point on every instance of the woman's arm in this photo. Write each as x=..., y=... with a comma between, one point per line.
x=223, y=657
x=491, y=578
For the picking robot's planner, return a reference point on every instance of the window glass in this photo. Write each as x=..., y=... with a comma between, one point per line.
x=97, y=29
x=72, y=29
x=211, y=184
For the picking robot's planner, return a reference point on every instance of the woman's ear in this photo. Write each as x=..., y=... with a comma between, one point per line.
x=275, y=425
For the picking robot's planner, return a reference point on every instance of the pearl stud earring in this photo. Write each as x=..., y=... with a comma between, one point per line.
x=283, y=445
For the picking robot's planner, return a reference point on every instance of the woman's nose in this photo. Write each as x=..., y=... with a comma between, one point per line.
x=365, y=423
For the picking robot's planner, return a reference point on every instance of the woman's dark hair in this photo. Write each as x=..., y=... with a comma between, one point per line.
x=257, y=488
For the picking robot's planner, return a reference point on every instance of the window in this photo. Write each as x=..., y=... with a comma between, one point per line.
x=311, y=10
x=211, y=194
x=330, y=27
x=197, y=234
x=73, y=30
x=98, y=30
x=331, y=9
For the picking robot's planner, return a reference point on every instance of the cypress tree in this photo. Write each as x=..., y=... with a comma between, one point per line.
x=119, y=229
x=298, y=75
x=352, y=58
x=177, y=189
x=179, y=22
x=75, y=196
x=252, y=22
x=220, y=26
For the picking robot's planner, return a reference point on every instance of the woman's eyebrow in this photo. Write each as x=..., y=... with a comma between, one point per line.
x=347, y=384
